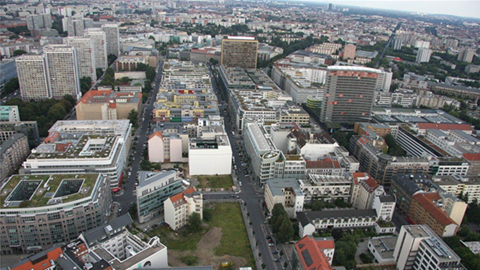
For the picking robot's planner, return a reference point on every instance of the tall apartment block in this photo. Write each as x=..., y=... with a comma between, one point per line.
x=62, y=71
x=466, y=55
x=39, y=21
x=423, y=55
x=100, y=44
x=86, y=56
x=32, y=77
x=239, y=52
x=349, y=51
x=349, y=94
x=113, y=38
x=76, y=26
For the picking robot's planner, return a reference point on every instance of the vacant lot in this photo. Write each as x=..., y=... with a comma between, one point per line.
x=215, y=181
x=224, y=238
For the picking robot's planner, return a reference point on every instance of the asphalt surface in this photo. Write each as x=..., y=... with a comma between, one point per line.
x=127, y=195
x=250, y=192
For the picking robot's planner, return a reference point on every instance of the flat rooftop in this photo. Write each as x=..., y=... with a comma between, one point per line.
x=24, y=191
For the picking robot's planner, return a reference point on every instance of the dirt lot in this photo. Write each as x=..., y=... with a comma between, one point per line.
x=205, y=252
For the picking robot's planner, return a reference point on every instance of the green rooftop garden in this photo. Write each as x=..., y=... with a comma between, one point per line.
x=39, y=197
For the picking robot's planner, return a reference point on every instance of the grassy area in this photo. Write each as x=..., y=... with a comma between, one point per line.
x=215, y=181
x=234, y=241
x=177, y=241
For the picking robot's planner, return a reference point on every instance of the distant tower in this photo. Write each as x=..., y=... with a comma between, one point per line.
x=239, y=52
x=100, y=45
x=86, y=56
x=397, y=44
x=349, y=94
x=423, y=55
x=466, y=55
x=349, y=51
x=112, y=35
x=62, y=71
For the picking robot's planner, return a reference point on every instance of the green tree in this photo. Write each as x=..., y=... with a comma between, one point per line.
x=194, y=222
x=133, y=210
x=99, y=72
x=285, y=232
x=111, y=58
x=85, y=84
x=213, y=61
x=19, y=52
x=10, y=87
x=133, y=117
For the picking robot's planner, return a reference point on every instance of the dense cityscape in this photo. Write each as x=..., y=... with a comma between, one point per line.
x=228, y=134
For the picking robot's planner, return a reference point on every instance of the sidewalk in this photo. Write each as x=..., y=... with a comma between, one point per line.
x=251, y=237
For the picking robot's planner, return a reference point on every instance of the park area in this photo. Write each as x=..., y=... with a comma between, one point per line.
x=223, y=238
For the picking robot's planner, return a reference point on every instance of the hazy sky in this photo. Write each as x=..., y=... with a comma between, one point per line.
x=464, y=8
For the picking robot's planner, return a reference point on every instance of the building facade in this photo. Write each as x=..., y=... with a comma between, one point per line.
x=13, y=152
x=62, y=71
x=86, y=56
x=100, y=45
x=108, y=105
x=178, y=208
x=239, y=52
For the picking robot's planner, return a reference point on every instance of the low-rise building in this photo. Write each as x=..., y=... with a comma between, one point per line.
x=66, y=205
x=382, y=249
x=12, y=153
x=179, y=207
x=152, y=191
x=167, y=147
x=326, y=187
x=466, y=187
x=210, y=156
x=108, y=105
x=309, y=253
x=83, y=147
x=364, y=190
x=286, y=192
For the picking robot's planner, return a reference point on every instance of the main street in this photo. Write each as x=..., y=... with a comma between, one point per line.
x=128, y=197
x=250, y=192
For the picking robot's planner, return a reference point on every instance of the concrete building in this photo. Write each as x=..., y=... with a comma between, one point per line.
x=179, y=207
x=467, y=187
x=349, y=94
x=152, y=191
x=28, y=128
x=62, y=71
x=418, y=247
x=239, y=52
x=326, y=187
x=67, y=204
x=349, y=51
x=13, y=152
x=9, y=114
x=100, y=45
x=112, y=35
x=86, y=56
x=382, y=249
x=210, y=156
x=108, y=105
x=423, y=55
x=90, y=146
x=76, y=26
x=466, y=55
x=364, y=191
x=130, y=63
x=39, y=21
x=311, y=253
x=286, y=192
x=168, y=147
x=32, y=77
x=112, y=246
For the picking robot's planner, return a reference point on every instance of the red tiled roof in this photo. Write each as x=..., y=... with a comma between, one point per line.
x=42, y=264
x=425, y=200
x=310, y=254
x=156, y=133
x=52, y=137
x=445, y=126
x=88, y=96
x=357, y=175
x=180, y=196
x=472, y=157
x=326, y=244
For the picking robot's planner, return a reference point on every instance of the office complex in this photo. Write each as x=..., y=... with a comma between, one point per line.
x=86, y=56
x=13, y=152
x=83, y=147
x=418, y=247
x=112, y=35
x=108, y=105
x=179, y=207
x=349, y=94
x=100, y=44
x=239, y=52
x=51, y=75
x=152, y=191
x=39, y=211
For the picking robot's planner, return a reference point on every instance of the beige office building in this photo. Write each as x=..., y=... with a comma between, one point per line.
x=239, y=52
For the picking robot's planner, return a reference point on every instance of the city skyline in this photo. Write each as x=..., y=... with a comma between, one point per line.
x=468, y=9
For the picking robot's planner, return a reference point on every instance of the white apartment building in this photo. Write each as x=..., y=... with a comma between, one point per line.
x=385, y=206
x=112, y=35
x=328, y=187
x=83, y=147
x=32, y=77
x=100, y=45
x=86, y=56
x=167, y=147
x=179, y=207
x=62, y=71
x=418, y=247
x=423, y=55
x=286, y=192
x=210, y=156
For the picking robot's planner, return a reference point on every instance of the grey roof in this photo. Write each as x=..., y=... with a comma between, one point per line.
x=276, y=186
x=100, y=233
x=387, y=199
x=306, y=217
x=147, y=177
x=9, y=142
x=408, y=182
